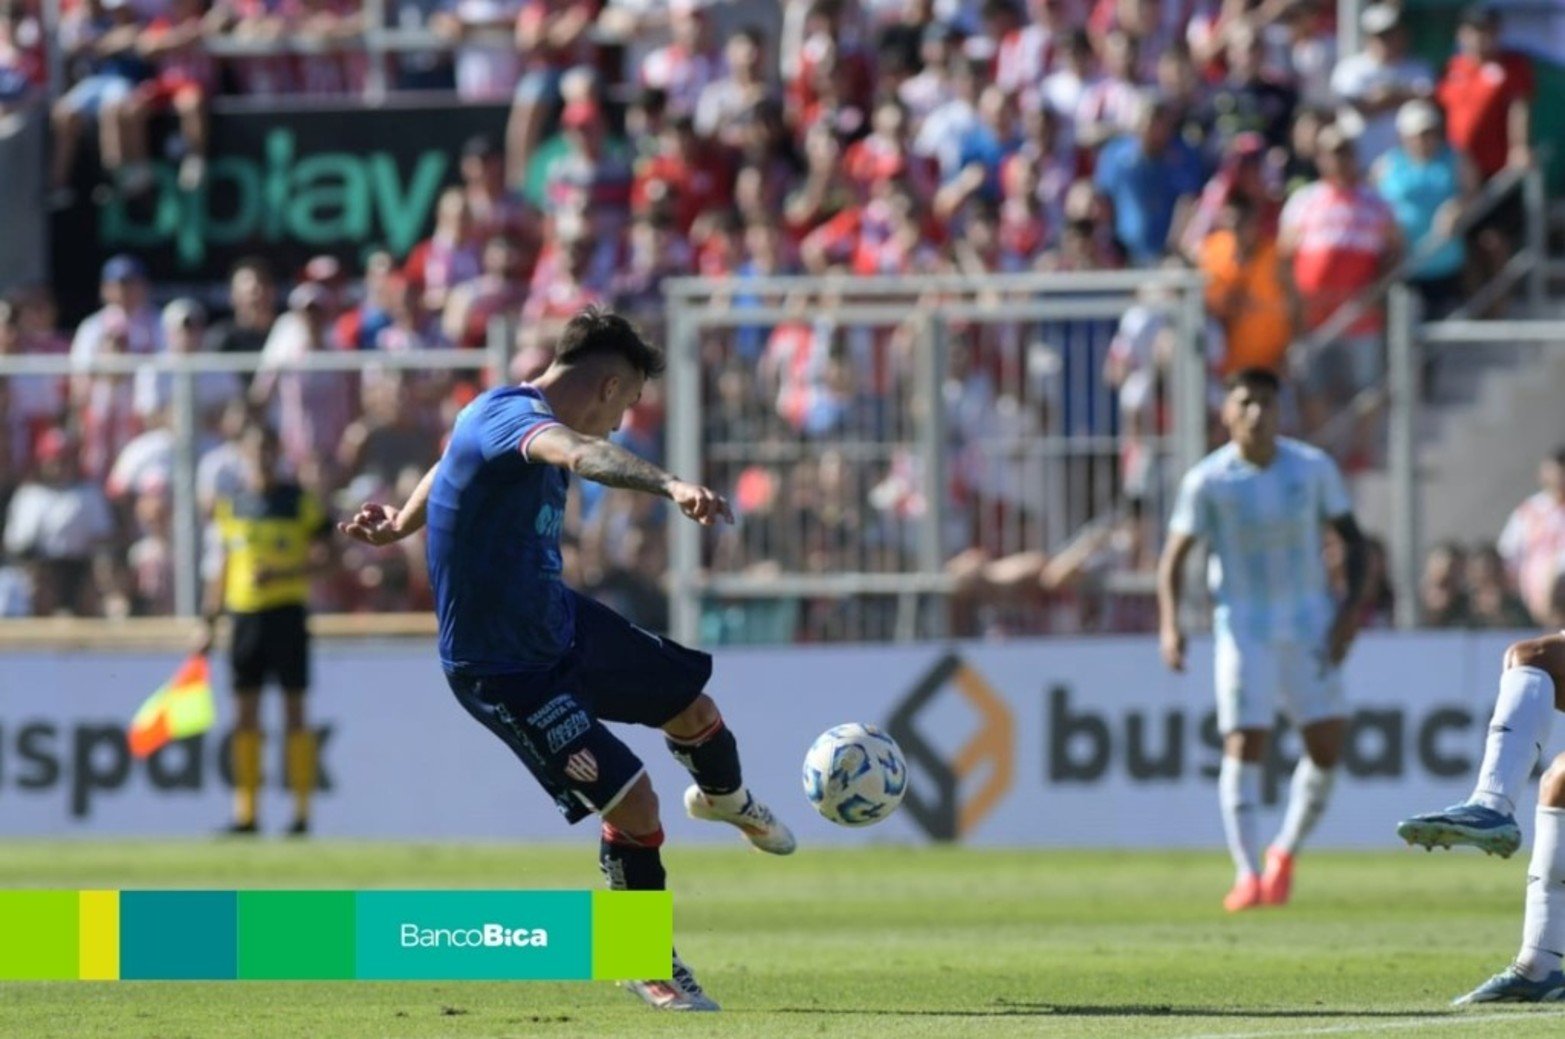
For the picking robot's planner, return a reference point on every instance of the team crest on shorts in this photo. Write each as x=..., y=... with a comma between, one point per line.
x=582, y=766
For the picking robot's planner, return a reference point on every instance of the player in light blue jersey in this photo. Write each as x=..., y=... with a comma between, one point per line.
x=1260, y=503
x=543, y=667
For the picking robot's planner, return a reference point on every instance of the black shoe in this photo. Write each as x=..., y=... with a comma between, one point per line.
x=299, y=828
x=249, y=829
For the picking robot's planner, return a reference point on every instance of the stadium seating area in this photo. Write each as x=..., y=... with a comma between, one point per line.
x=878, y=137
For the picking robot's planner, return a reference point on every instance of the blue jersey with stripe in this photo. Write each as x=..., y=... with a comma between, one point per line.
x=494, y=520
x=1263, y=533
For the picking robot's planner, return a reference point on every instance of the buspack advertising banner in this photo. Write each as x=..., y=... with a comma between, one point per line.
x=1087, y=743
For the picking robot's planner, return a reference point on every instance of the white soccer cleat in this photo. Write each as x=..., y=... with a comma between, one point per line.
x=756, y=821
x=681, y=992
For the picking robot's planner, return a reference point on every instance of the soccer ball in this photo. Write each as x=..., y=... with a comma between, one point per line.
x=855, y=774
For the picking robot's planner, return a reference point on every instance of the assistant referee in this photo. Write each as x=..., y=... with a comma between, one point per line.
x=271, y=538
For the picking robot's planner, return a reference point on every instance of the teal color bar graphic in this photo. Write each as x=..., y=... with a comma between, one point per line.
x=476, y=935
x=178, y=935
x=335, y=935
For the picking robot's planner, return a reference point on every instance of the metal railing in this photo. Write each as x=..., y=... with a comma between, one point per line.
x=870, y=429
x=184, y=370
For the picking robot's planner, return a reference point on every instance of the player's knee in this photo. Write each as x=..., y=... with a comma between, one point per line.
x=636, y=812
x=1547, y=654
x=1551, y=788
x=701, y=715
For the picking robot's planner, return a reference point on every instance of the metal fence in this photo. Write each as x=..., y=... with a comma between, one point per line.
x=875, y=433
x=26, y=374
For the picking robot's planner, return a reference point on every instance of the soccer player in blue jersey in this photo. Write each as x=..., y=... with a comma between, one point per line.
x=1260, y=503
x=543, y=667
x=1532, y=688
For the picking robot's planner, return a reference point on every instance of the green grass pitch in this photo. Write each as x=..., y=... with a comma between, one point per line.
x=877, y=942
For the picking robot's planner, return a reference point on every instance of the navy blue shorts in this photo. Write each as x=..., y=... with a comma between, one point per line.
x=553, y=720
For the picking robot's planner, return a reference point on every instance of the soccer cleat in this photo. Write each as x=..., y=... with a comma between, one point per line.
x=756, y=821
x=1277, y=881
x=1511, y=986
x=681, y=992
x=249, y=829
x=300, y=827
x=1494, y=832
x=1246, y=894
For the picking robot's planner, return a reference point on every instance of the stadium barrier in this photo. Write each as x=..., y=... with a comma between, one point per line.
x=871, y=429
x=1065, y=742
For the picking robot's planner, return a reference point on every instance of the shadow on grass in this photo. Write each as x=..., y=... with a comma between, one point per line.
x=1007, y=1008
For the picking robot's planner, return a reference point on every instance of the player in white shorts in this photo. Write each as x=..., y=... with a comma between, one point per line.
x=1260, y=502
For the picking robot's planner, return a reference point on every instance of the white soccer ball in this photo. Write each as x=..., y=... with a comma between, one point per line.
x=855, y=774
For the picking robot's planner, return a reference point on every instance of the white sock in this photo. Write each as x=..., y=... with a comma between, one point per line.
x=1307, y=798
x=1543, y=929
x=1239, y=794
x=1523, y=713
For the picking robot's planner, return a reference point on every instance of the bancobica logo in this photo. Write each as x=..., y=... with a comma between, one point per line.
x=945, y=814
x=485, y=936
x=42, y=758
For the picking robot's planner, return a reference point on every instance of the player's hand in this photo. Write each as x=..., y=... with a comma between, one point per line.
x=1340, y=639
x=373, y=524
x=701, y=504
x=1171, y=642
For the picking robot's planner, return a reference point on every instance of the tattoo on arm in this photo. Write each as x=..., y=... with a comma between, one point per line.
x=611, y=465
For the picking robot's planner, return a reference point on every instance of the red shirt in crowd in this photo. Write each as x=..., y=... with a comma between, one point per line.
x=1477, y=98
x=1340, y=237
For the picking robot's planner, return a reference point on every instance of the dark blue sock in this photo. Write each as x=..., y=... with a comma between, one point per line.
x=712, y=758
x=632, y=863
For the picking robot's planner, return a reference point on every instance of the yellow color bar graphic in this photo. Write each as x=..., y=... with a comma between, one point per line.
x=98, y=947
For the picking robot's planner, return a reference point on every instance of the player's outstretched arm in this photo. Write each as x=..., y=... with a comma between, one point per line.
x=376, y=524
x=1170, y=575
x=602, y=461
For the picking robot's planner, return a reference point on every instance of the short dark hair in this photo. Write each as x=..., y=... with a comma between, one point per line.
x=599, y=332
x=1253, y=378
x=1557, y=456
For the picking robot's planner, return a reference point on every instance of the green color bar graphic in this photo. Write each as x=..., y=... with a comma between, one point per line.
x=632, y=935
x=38, y=935
x=296, y=935
x=178, y=935
x=335, y=935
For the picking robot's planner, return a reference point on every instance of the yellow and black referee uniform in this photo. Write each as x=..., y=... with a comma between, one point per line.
x=272, y=538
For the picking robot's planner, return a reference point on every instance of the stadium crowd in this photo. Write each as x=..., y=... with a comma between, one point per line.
x=874, y=137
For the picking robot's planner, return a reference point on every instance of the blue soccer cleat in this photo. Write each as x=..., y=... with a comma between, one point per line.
x=1511, y=986
x=1495, y=832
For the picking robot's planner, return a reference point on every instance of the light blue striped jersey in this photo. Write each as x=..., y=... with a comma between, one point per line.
x=1262, y=528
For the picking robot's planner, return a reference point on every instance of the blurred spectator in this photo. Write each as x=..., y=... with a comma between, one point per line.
x=1248, y=100
x=184, y=330
x=449, y=256
x=252, y=293
x=388, y=438
x=127, y=302
x=1031, y=52
x=487, y=38
x=60, y=525
x=585, y=165
x=104, y=402
x=1487, y=97
x=1244, y=291
x=98, y=38
x=497, y=292
x=1428, y=184
x=1112, y=103
x=1442, y=591
x=1378, y=81
x=494, y=208
x=30, y=405
x=553, y=37
x=1337, y=239
x=1151, y=179
x=1492, y=602
x=742, y=86
x=184, y=79
x=311, y=408
x=359, y=327
x=1533, y=541
x=150, y=558
x=686, y=176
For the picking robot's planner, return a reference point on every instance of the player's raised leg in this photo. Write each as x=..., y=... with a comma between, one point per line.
x=699, y=740
x=1523, y=715
x=1535, y=976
